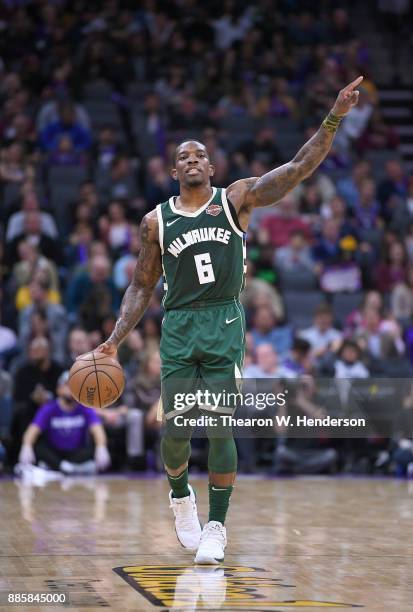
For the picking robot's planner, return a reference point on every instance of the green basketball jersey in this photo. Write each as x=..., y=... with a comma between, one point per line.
x=203, y=253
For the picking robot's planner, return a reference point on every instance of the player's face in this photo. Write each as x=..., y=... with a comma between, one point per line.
x=192, y=166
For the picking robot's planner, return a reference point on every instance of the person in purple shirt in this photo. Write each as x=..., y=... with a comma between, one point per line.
x=66, y=125
x=59, y=436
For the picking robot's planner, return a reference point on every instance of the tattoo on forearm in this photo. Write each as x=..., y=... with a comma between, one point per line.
x=147, y=272
x=275, y=184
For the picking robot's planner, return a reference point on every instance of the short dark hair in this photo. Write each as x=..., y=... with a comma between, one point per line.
x=301, y=345
x=349, y=343
x=183, y=142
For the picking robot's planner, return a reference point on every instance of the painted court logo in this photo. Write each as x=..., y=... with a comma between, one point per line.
x=189, y=587
x=214, y=210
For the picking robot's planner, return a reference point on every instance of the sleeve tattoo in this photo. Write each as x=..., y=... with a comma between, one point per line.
x=147, y=273
x=275, y=184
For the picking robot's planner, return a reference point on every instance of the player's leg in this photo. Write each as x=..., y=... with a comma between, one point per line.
x=222, y=466
x=221, y=372
x=178, y=374
x=175, y=452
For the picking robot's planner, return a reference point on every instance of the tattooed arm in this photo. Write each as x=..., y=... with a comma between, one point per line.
x=268, y=189
x=136, y=298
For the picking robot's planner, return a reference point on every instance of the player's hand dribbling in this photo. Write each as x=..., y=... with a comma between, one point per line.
x=347, y=98
x=108, y=348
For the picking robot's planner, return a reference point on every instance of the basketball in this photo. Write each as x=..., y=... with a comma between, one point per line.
x=96, y=380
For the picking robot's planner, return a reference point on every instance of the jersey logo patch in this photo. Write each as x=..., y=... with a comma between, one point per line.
x=213, y=209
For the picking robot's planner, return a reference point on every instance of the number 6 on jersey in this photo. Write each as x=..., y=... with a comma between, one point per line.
x=204, y=268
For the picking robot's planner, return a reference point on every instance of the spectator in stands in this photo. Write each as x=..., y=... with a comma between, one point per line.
x=33, y=266
x=259, y=292
x=150, y=127
x=30, y=202
x=159, y=185
x=78, y=343
x=296, y=256
x=392, y=269
x=94, y=283
x=65, y=125
x=394, y=183
x=283, y=222
x=375, y=330
x=49, y=114
x=77, y=252
x=34, y=384
x=106, y=147
x=142, y=395
x=59, y=436
x=401, y=299
x=115, y=229
x=326, y=250
x=348, y=363
x=119, y=183
x=54, y=315
x=299, y=360
x=65, y=153
x=267, y=330
x=367, y=207
x=125, y=265
x=349, y=187
x=354, y=321
x=32, y=232
x=309, y=455
x=340, y=30
x=130, y=353
x=322, y=335
x=13, y=167
x=267, y=365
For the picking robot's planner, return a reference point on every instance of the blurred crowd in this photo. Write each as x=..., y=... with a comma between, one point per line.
x=94, y=98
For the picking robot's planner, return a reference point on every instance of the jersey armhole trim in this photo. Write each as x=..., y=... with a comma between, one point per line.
x=229, y=215
x=160, y=226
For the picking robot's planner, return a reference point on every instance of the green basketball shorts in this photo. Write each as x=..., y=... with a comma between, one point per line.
x=202, y=352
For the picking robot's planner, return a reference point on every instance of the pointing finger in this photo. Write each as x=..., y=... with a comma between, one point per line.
x=353, y=84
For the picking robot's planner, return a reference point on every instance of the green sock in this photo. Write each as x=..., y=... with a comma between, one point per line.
x=218, y=502
x=179, y=484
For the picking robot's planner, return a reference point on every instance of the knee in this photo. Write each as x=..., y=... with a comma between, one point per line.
x=175, y=451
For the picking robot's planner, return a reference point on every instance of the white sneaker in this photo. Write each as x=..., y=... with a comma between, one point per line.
x=212, y=545
x=187, y=525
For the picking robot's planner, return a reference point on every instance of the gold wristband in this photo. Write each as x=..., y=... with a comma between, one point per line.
x=331, y=122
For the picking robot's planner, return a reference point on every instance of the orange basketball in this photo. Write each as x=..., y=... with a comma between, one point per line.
x=96, y=380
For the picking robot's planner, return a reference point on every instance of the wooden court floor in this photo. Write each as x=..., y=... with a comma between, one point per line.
x=307, y=544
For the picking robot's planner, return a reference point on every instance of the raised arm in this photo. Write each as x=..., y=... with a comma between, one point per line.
x=268, y=189
x=147, y=273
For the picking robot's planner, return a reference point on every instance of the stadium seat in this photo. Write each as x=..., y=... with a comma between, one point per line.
x=344, y=304
x=97, y=90
x=300, y=307
x=68, y=175
x=11, y=193
x=297, y=280
x=102, y=114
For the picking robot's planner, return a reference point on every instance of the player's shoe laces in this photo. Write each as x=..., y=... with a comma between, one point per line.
x=212, y=545
x=187, y=526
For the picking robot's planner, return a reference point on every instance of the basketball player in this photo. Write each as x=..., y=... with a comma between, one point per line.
x=197, y=241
